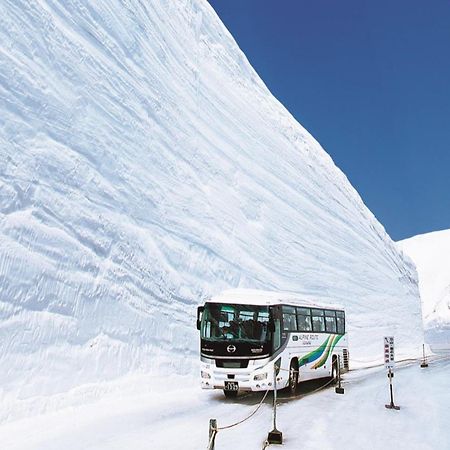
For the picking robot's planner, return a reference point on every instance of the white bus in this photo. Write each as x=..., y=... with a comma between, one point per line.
x=244, y=333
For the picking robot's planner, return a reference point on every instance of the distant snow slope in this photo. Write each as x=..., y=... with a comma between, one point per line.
x=431, y=254
x=143, y=166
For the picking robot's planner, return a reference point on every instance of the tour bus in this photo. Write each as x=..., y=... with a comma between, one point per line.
x=245, y=333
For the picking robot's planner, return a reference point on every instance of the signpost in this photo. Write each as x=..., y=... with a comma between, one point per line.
x=389, y=363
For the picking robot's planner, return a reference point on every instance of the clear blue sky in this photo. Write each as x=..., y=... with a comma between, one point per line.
x=370, y=79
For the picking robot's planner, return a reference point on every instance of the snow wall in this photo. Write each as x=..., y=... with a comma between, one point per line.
x=145, y=166
x=431, y=254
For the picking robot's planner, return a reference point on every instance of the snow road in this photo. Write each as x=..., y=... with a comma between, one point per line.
x=178, y=419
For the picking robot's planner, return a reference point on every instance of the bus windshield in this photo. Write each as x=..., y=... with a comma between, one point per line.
x=226, y=322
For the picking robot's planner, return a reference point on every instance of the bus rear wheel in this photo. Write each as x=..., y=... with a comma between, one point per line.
x=230, y=394
x=293, y=377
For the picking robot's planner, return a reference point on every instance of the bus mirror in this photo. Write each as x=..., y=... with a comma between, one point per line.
x=271, y=325
x=200, y=310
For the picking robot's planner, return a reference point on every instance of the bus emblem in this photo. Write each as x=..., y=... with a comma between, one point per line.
x=231, y=348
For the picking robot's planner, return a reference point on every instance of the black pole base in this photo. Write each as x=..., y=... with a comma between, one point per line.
x=275, y=437
x=392, y=406
x=339, y=390
x=424, y=364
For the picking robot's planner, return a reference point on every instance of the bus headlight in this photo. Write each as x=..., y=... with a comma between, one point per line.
x=205, y=374
x=260, y=376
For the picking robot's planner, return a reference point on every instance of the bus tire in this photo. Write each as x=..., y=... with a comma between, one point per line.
x=230, y=394
x=293, y=377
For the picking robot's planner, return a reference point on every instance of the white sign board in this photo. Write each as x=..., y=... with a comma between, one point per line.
x=389, y=360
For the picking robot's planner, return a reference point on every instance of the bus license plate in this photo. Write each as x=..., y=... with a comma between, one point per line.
x=231, y=386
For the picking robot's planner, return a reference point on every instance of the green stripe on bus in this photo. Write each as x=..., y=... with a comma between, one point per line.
x=331, y=344
x=315, y=354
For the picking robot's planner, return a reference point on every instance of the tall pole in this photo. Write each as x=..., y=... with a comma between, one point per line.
x=391, y=405
x=390, y=387
x=339, y=389
x=274, y=404
x=424, y=361
x=212, y=433
x=275, y=436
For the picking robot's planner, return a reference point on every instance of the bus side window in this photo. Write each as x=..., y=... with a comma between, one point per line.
x=330, y=321
x=340, y=322
x=289, y=319
x=330, y=324
x=318, y=320
x=304, y=319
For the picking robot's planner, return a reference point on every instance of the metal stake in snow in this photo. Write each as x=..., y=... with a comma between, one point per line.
x=424, y=361
x=389, y=362
x=212, y=433
x=339, y=389
x=275, y=436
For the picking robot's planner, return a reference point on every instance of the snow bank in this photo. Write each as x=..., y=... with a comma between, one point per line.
x=431, y=254
x=145, y=166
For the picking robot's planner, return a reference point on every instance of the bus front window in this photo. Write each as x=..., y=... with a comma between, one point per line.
x=223, y=322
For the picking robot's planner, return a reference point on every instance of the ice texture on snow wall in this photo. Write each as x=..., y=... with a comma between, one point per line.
x=144, y=165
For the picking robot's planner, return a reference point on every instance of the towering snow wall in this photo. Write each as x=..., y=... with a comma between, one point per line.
x=431, y=254
x=144, y=165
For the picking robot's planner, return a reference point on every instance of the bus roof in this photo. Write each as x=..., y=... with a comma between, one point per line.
x=258, y=297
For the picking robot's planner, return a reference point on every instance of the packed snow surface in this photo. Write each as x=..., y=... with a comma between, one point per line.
x=323, y=420
x=431, y=254
x=144, y=166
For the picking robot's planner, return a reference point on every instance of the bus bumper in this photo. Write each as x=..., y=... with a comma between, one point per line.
x=247, y=380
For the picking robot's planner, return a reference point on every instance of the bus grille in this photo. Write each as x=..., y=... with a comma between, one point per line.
x=232, y=363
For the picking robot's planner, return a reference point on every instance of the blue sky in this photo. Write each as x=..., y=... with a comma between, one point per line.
x=371, y=81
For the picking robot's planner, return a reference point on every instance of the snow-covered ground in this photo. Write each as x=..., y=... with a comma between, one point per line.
x=431, y=255
x=144, y=165
x=177, y=417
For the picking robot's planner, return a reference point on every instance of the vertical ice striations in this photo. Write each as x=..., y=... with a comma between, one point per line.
x=143, y=166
